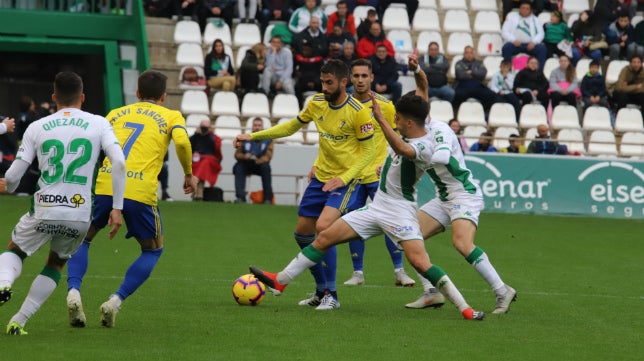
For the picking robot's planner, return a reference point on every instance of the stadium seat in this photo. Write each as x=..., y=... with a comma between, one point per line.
x=602, y=142
x=614, y=68
x=483, y=5
x=194, y=102
x=573, y=139
x=550, y=65
x=564, y=116
x=636, y=19
x=267, y=34
x=330, y=9
x=241, y=53
x=632, y=144
x=285, y=106
x=246, y=34
x=426, y=19
x=408, y=83
x=456, y=20
x=457, y=42
x=312, y=135
x=395, y=17
x=295, y=138
x=471, y=134
x=427, y=4
x=453, y=4
x=530, y=135
x=189, y=54
x=487, y=22
x=502, y=115
x=575, y=6
x=532, y=115
x=582, y=68
x=401, y=41
x=360, y=13
x=193, y=120
x=225, y=103
x=426, y=37
x=266, y=123
x=187, y=31
x=228, y=126
x=471, y=113
x=441, y=110
x=452, y=66
x=219, y=31
x=629, y=120
x=544, y=17
x=188, y=86
x=255, y=105
x=492, y=64
x=596, y=118
x=572, y=18
x=489, y=44
x=502, y=135
x=328, y=2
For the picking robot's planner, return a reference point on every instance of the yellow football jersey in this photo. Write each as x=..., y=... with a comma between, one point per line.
x=388, y=110
x=144, y=130
x=341, y=129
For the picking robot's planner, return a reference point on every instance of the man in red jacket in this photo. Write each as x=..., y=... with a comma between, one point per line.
x=367, y=46
x=343, y=17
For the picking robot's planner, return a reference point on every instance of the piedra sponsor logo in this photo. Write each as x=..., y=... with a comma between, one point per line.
x=502, y=193
x=59, y=200
x=614, y=188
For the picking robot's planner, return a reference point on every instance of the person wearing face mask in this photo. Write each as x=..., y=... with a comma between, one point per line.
x=253, y=157
x=206, y=157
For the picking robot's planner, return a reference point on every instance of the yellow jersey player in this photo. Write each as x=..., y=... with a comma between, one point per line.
x=145, y=130
x=362, y=78
x=346, y=148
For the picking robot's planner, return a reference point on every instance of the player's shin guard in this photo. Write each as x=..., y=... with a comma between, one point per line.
x=394, y=252
x=357, y=254
x=304, y=240
x=138, y=272
x=77, y=266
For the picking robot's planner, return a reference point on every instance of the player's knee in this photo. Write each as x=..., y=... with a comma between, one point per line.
x=151, y=244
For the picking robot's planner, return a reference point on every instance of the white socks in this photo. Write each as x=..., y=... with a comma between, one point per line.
x=298, y=265
x=41, y=288
x=10, y=268
x=487, y=271
x=450, y=291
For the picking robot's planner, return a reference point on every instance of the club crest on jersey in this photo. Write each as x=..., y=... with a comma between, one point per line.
x=342, y=124
x=59, y=200
x=366, y=128
x=320, y=118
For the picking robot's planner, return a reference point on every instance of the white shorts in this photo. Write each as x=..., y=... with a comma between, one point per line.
x=464, y=207
x=398, y=221
x=30, y=234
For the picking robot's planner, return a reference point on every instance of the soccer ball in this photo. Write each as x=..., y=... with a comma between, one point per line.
x=248, y=290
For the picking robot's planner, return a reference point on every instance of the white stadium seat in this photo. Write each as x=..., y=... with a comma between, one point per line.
x=401, y=41
x=441, y=110
x=426, y=37
x=188, y=86
x=187, y=31
x=472, y=133
x=489, y=44
x=565, y=116
x=312, y=135
x=360, y=13
x=255, y=105
x=193, y=120
x=471, y=113
x=572, y=18
x=408, y=83
x=530, y=135
x=427, y=4
x=246, y=34
x=492, y=64
x=636, y=19
x=267, y=34
x=550, y=65
x=582, y=68
x=456, y=20
x=395, y=18
x=194, y=102
x=532, y=115
x=457, y=42
x=602, y=142
x=629, y=120
x=614, y=68
x=575, y=6
x=189, y=54
x=220, y=31
x=285, y=106
x=502, y=115
x=426, y=19
x=632, y=144
x=487, y=22
x=330, y=9
x=241, y=53
x=502, y=135
x=452, y=66
x=573, y=139
x=544, y=17
x=596, y=118
x=266, y=123
x=225, y=103
x=453, y=4
x=481, y=5
x=228, y=126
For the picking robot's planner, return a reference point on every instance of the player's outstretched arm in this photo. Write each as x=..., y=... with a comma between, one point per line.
x=278, y=131
x=395, y=141
x=115, y=222
x=420, y=77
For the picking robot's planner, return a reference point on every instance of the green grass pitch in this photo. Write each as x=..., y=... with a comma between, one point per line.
x=579, y=281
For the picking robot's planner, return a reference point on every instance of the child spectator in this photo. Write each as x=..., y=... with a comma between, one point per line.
x=593, y=87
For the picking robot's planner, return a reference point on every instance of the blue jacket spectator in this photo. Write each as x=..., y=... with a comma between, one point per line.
x=385, y=71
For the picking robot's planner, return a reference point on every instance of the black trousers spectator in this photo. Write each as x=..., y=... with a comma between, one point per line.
x=620, y=99
x=542, y=97
x=266, y=15
x=243, y=169
x=512, y=99
x=482, y=93
x=556, y=98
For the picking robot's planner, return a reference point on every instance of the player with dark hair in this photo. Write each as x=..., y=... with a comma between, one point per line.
x=145, y=130
x=346, y=149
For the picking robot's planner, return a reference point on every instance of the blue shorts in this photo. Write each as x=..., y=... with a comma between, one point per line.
x=143, y=221
x=345, y=199
x=371, y=189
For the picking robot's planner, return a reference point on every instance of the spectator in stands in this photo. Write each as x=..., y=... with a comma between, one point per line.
x=588, y=38
x=279, y=10
x=307, y=70
x=190, y=76
x=557, y=36
x=470, y=74
x=253, y=157
x=337, y=39
x=246, y=12
x=8, y=143
x=347, y=57
x=343, y=18
x=411, y=5
x=502, y=83
x=27, y=115
x=455, y=125
x=278, y=68
x=313, y=36
x=593, y=87
x=365, y=25
x=620, y=36
x=224, y=9
x=542, y=144
x=531, y=85
x=639, y=34
x=352, y=4
x=629, y=88
x=484, y=144
x=206, y=157
x=515, y=145
x=524, y=34
x=376, y=37
x=385, y=72
x=163, y=180
x=436, y=65
x=301, y=17
x=251, y=67
x=607, y=11
x=218, y=68
x=563, y=83
x=508, y=5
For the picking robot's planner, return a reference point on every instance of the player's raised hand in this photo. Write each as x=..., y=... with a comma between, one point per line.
x=115, y=221
x=10, y=123
x=375, y=107
x=190, y=184
x=412, y=62
x=333, y=184
x=239, y=139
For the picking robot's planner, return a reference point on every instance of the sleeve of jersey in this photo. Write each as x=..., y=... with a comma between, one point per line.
x=115, y=155
x=182, y=144
x=442, y=153
x=278, y=131
x=364, y=132
x=14, y=174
